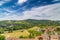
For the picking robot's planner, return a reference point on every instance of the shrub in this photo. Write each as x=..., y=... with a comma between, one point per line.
x=2, y=37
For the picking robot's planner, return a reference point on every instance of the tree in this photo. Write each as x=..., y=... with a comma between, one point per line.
x=34, y=33
x=1, y=30
x=23, y=37
x=31, y=35
x=10, y=29
x=2, y=37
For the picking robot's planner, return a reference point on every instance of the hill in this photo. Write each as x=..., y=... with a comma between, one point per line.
x=29, y=22
x=10, y=27
x=25, y=24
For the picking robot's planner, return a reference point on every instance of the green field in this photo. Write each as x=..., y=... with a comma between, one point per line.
x=18, y=33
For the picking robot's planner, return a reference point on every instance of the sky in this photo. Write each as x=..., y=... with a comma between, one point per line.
x=29, y=9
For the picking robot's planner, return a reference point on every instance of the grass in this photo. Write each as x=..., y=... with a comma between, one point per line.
x=34, y=28
x=16, y=33
x=19, y=33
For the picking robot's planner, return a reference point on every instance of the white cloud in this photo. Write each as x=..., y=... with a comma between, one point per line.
x=46, y=12
x=8, y=10
x=51, y=12
x=11, y=17
x=21, y=1
x=3, y=1
x=56, y=0
x=7, y=0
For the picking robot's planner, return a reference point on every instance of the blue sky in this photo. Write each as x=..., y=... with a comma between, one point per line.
x=29, y=9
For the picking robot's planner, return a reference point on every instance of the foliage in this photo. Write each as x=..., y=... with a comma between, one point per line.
x=2, y=37
x=31, y=35
x=13, y=25
x=57, y=30
x=34, y=33
x=23, y=37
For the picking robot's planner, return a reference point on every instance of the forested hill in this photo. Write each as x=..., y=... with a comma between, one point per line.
x=31, y=22
x=9, y=25
x=43, y=22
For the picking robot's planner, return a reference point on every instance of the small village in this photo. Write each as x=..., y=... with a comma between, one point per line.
x=45, y=36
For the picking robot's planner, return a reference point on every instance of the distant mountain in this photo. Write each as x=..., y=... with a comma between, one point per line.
x=43, y=22
x=32, y=22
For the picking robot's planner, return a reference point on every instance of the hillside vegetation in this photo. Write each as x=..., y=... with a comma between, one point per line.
x=25, y=24
x=28, y=28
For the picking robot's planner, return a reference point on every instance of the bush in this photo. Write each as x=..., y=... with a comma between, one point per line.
x=31, y=35
x=2, y=37
x=23, y=37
